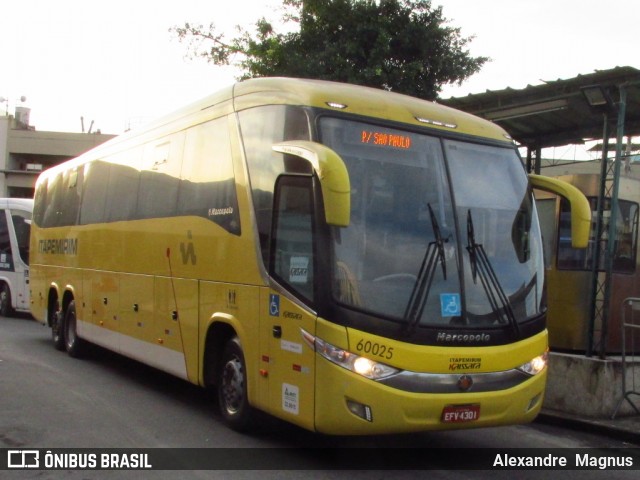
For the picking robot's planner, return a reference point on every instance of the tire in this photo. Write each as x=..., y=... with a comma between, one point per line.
x=73, y=344
x=232, y=388
x=5, y=301
x=57, y=328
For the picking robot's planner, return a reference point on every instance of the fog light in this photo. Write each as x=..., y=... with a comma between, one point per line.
x=359, y=409
x=534, y=401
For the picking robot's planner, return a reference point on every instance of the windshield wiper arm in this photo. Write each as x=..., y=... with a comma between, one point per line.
x=481, y=266
x=420, y=292
x=439, y=240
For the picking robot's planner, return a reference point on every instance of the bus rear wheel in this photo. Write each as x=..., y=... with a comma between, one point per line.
x=72, y=343
x=57, y=328
x=5, y=301
x=232, y=387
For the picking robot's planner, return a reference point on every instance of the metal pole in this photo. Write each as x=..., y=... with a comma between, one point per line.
x=613, y=233
x=595, y=266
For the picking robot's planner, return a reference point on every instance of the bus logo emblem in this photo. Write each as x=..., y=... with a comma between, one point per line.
x=188, y=253
x=465, y=382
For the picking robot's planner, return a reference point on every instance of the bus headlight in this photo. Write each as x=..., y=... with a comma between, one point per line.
x=355, y=363
x=536, y=365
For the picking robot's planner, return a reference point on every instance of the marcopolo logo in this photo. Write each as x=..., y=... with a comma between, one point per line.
x=463, y=337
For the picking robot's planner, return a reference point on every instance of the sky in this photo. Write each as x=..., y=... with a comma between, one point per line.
x=116, y=64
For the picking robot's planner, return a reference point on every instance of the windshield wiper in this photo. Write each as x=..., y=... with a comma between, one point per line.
x=420, y=292
x=481, y=266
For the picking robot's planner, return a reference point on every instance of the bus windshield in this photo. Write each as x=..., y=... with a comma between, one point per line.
x=441, y=233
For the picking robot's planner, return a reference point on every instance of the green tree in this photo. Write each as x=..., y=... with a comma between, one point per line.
x=401, y=45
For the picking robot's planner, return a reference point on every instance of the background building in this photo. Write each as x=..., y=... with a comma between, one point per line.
x=25, y=152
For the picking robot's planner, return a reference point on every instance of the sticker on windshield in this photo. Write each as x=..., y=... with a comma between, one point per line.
x=298, y=269
x=450, y=305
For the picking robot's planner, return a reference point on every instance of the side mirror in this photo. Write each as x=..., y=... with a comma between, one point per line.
x=580, y=208
x=333, y=175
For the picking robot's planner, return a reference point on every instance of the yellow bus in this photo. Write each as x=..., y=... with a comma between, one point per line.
x=570, y=271
x=350, y=260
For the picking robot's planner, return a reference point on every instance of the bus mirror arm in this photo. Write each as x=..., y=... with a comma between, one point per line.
x=580, y=208
x=333, y=175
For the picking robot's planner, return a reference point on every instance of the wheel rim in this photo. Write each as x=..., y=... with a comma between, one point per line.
x=232, y=386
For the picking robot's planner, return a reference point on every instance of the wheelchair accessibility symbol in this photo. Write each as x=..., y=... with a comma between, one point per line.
x=274, y=305
x=450, y=305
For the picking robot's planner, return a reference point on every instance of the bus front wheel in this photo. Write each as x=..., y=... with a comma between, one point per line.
x=232, y=387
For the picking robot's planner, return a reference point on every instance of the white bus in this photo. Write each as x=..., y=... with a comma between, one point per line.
x=15, y=227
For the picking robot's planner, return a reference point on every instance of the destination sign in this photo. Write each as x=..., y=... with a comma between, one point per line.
x=383, y=139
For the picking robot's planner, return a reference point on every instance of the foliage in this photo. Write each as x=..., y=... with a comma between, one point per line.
x=401, y=45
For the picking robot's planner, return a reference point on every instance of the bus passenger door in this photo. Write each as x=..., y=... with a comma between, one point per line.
x=290, y=363
x=21, y=223
x=287, y=363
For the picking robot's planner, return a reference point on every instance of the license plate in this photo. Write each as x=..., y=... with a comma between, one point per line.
x=460, y=413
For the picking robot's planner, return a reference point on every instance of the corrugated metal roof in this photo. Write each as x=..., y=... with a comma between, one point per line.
x=556, y=113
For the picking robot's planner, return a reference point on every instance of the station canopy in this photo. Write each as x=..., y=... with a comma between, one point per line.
x=558, y=112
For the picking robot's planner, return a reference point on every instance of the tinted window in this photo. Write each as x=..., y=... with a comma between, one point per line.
x=189, y=173
x=122, y=190
x=293, y=254
x=54, y=205
x=6, y=255
x=158, y=193
x=208, y=187
x=625, y=247
x=94, y=195
x=261, y=128
x=22, y=227
x=70, y=197
x=40, y=203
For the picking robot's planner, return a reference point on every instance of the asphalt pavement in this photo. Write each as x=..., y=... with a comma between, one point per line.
x=625, y=428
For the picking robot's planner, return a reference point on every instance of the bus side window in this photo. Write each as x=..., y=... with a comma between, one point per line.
x=207, y=181
x=626, y=240
x=547, y=216
x=40, y=203
x=261, y=128
x=6, y=256
x=292, y=255
x=96, y=175
x=54, y=200
x=122, y=189
x=22, y=226
x=159, y=178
